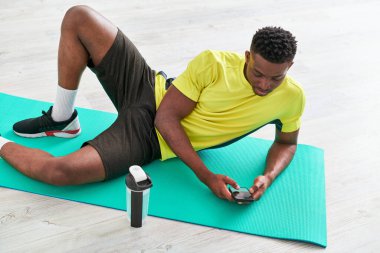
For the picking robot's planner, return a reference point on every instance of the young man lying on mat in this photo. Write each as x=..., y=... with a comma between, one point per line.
x=220, y=97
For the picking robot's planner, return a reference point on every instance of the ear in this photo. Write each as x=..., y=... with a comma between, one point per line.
x=290, y=64
x=247, y=56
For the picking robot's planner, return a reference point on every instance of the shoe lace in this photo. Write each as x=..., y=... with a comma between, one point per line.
x=45, y=120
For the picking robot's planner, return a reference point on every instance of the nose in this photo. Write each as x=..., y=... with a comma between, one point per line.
x=264, y=84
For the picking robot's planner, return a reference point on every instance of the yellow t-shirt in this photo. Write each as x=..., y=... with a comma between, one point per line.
x=227, y=108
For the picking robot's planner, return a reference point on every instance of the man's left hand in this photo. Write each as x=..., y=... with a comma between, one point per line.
x=260, y=184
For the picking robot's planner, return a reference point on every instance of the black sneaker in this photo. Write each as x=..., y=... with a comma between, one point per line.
x=46, y=126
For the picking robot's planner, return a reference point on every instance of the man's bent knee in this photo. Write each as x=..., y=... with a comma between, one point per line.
x=67, y=170
x=57, y=172
x=76, y=16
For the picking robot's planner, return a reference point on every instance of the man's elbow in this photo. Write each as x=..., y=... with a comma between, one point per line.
x=160, y=120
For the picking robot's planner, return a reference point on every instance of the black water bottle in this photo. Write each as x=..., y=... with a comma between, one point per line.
x=138, y=189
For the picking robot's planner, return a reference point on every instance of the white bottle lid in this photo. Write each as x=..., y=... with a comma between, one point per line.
x=138, y=173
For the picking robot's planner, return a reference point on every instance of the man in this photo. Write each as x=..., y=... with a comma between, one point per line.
x=221, y=97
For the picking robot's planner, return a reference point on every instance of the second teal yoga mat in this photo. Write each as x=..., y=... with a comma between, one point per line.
x=292, y=208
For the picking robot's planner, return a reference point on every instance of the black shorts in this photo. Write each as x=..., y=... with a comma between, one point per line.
x=129, y=83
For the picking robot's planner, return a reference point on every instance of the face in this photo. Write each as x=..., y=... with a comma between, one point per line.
x=264, y=76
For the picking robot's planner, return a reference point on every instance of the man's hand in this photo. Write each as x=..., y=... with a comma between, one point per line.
x=260, y=184
x=218, y=185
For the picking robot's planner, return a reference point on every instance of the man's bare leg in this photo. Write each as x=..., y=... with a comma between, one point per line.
x=80, y=167
x=73, y=54
x=84, y=34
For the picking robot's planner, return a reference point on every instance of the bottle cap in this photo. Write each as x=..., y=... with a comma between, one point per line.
x=137, y=179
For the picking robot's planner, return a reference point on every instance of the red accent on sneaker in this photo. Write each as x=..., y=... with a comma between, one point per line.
x=51, y=133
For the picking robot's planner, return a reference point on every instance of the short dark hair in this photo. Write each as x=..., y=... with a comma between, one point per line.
x=274, y=44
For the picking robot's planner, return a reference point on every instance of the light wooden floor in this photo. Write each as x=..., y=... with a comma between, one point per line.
x=337, y=63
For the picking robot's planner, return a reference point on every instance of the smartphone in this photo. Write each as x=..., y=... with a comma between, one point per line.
x=241, y=196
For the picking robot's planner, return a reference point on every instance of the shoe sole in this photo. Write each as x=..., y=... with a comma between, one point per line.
x=61, y=134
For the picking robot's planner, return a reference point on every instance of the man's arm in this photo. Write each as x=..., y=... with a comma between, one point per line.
x=279, y=156
x=173, y=108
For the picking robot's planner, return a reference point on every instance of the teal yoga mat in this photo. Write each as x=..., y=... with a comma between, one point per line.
x=292, y=208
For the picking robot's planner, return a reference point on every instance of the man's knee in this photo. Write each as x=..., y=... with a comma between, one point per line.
x=76, y=16
x=57, y=172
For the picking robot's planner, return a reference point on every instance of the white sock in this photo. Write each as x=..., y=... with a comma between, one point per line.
x=3, y=141
x=64, y=104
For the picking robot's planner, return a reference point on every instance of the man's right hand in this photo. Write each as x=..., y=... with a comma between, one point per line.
x=218, y=185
